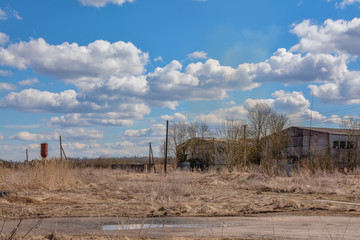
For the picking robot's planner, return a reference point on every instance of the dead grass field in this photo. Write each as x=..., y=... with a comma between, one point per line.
x=59, y=190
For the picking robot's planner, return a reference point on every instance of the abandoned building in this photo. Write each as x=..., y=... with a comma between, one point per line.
x=340, y=145
x=201, y=153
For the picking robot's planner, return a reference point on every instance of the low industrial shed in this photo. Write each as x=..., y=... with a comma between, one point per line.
x=340, y=144
x=201, y=153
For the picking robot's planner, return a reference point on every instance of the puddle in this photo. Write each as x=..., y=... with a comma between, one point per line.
x=147, y=226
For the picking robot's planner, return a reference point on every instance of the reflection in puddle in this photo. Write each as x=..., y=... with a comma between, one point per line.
x=145, y=226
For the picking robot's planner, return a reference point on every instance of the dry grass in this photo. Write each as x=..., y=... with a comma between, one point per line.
x=59, y=189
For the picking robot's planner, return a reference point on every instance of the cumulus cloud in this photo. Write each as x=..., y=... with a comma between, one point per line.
x=290, y=68
x=102, y=3
x=30, y=81
x=73, y=134
x=76, y=119
x=223, y=114
x=343, y=91
x=32, y=100
x=77, y=64
x=79, y=134
x=338, y=36
x=154, y=130
x=7, y=86
x=283, y=102
x=198, y=55
x=3, y=38
x=177, y=117
x=27, y=136
x=293, y=104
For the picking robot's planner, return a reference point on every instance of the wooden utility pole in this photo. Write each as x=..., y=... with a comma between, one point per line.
x=245, y=160
x=60, y=149
x=166, y=145
x=62, y=152
x=151, y=159
x=27, y=156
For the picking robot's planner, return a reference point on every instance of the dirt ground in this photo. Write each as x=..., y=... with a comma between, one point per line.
x=270, y=226
x=52, y=193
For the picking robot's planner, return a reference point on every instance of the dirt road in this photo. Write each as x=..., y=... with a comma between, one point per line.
x=253, y=227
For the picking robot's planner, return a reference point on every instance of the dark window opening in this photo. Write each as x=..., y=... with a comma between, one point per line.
x=342, y=144
x=336, y=144
x=350, y=145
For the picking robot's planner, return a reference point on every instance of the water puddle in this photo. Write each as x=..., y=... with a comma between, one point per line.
x=147, y=226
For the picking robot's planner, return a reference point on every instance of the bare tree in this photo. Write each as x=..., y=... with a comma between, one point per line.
x=266, y=132
x=258, y=117
x=232, y=133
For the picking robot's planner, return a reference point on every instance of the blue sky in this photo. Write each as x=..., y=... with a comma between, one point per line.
x=107, y=74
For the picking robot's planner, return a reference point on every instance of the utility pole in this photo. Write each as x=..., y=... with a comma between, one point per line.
x=166, y=145
x=27, y=156
x=62, y=152
x=245, y=160
x=60, y=149
x=151, y=159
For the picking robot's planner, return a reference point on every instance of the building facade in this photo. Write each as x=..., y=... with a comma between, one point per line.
x=339, y=144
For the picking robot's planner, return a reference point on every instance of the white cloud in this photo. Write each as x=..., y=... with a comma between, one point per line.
x=73, y=134
x=223, y=114
x=345, y=90
x=76, y=119
x=5, y=73
x=286, y=102
x=158, y=59
x=27, y=136
x=7, y=86
x=16, y=15
x=345, y=3
x=3, y=15
x=293, y=104
x=30, y=81
x=102, y=3
x=198, y=55
x=1, y=137
x=79, y=134
x=80, y=65
x=155, y=130
x=32, y=100
x=338, y=36
x=177, y=117
x=3, y=38
x=288, y=68
x=283, y=102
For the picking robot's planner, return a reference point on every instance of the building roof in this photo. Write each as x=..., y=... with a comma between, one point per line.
x=334, y=131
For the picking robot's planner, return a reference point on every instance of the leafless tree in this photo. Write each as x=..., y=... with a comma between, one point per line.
x=266, y=132
x=233, y=134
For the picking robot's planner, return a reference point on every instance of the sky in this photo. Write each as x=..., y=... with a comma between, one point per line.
x=107, y=74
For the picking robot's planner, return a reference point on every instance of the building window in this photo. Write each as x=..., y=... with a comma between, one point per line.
x=336, y=144
x=350, y=145
x=342, y=144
